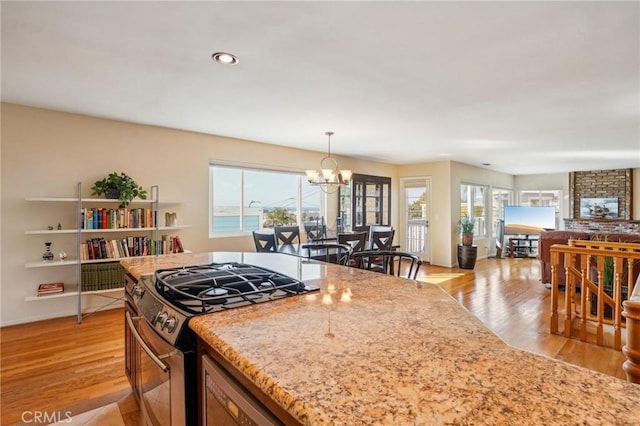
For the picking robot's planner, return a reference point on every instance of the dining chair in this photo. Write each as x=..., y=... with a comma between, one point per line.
x=357, y=241
x=382, y=240
x=315, y=232
x=329, y=252
x=391, y=262
x=362, y=228
x=265, y=242
x=287, y=234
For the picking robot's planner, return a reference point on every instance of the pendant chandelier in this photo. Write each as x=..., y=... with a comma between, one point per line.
x=329, y=177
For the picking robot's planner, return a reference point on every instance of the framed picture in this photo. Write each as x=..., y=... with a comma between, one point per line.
x=599, y=208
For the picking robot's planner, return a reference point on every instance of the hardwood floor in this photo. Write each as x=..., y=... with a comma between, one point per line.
x=508, y=297
x=58, y=365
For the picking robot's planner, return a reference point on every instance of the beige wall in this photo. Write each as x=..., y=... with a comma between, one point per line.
x=439, y=230
x=446, y=177
x=46, y=153
x=636, y=194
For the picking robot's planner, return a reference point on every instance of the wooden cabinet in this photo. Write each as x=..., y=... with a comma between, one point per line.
x=365, y=201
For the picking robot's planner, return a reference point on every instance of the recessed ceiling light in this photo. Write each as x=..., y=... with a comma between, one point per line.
x=225, y=58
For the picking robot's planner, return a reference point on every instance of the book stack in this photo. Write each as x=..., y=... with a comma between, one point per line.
x=101, y=248
x=103, y=218
x=50, y=288
x=102, y=276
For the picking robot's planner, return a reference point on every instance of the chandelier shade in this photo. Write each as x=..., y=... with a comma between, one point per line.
x=329, y=177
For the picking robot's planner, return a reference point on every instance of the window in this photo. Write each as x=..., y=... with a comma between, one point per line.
x=473, y=203
x=542, y=198
x=499, y=199
x=246, y=200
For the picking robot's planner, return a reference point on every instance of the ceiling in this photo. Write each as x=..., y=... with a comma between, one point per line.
x=528, y=87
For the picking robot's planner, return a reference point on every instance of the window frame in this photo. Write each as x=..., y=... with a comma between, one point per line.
x=301, y=180
x=478, y=231
x=558, y=197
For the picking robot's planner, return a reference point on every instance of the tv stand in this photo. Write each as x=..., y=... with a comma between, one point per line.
x=523, y=246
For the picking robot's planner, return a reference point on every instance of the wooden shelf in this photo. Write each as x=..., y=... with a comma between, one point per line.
x=71, y=293
x=51, y=263
x=99, y=201
x=50, y=231
x=109, y=230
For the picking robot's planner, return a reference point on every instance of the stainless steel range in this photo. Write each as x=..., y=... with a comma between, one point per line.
x=161, y=348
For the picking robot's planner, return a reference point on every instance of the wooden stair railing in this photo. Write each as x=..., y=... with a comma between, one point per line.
x=632, y=349
x=584, y=265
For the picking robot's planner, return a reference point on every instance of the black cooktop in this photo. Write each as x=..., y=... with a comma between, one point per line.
x=214, y=287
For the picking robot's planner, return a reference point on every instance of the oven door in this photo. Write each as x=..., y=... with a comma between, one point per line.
x=131, y=350
x=225, y=402
x=160, y=376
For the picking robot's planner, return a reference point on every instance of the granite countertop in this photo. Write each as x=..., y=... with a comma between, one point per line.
x=374, y=349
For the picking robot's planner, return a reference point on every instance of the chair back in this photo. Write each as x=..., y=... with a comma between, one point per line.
x=362, y=228
x=400, y=264
x=329, y=252
x=265, y=242
x=315, y=232
x=382, y=240
x=287, y=234
x=357, y=240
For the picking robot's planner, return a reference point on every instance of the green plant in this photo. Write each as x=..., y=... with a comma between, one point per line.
x=466, y=225
x=280, y=216
x=466, y=228
x=119, y=186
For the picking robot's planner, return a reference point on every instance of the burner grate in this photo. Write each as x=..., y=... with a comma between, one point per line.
x=218, y=286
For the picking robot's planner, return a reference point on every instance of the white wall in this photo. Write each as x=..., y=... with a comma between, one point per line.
x=636, y=194
x=441, y=202
x=446, y=177
x=46, y=153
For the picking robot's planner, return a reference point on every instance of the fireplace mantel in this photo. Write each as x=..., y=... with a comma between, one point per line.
x=602, y=225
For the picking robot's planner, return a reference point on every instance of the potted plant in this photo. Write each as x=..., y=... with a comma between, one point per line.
x=608, y=277
x=119, y=186
x=466, y=228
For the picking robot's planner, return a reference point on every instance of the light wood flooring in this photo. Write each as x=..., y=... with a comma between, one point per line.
x=58, y=365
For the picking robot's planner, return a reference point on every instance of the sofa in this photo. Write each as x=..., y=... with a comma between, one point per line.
x=549, y=238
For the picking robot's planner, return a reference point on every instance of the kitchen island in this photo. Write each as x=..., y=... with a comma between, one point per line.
x=374, y=349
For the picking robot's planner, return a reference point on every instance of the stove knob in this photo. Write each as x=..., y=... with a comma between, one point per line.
x=138, y=291
x=161, y=318
x=171, y=323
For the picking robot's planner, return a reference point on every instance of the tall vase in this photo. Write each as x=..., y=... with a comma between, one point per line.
x=467, y=239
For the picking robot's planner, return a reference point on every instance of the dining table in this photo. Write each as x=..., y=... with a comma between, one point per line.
x=310, y=250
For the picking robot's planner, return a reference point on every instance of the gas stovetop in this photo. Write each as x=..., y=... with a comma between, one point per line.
x=174, y=295
x=218, y=286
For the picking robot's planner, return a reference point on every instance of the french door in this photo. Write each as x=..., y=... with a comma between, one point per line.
x=416, y=208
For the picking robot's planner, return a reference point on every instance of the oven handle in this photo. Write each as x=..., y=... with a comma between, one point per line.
x=144, y=346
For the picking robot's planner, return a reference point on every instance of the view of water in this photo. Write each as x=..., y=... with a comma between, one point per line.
x=232, y=223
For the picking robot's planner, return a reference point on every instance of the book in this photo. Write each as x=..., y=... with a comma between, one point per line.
x=50, y=288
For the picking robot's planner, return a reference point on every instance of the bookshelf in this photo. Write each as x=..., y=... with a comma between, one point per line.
x=87, y=284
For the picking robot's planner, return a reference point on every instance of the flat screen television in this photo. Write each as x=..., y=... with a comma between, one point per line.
x=529, y=220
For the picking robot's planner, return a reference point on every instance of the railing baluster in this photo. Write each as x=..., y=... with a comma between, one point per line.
x=553, y=320
x=617, y=299
x=568, y=314
x=589, y=280
x=632, y=349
